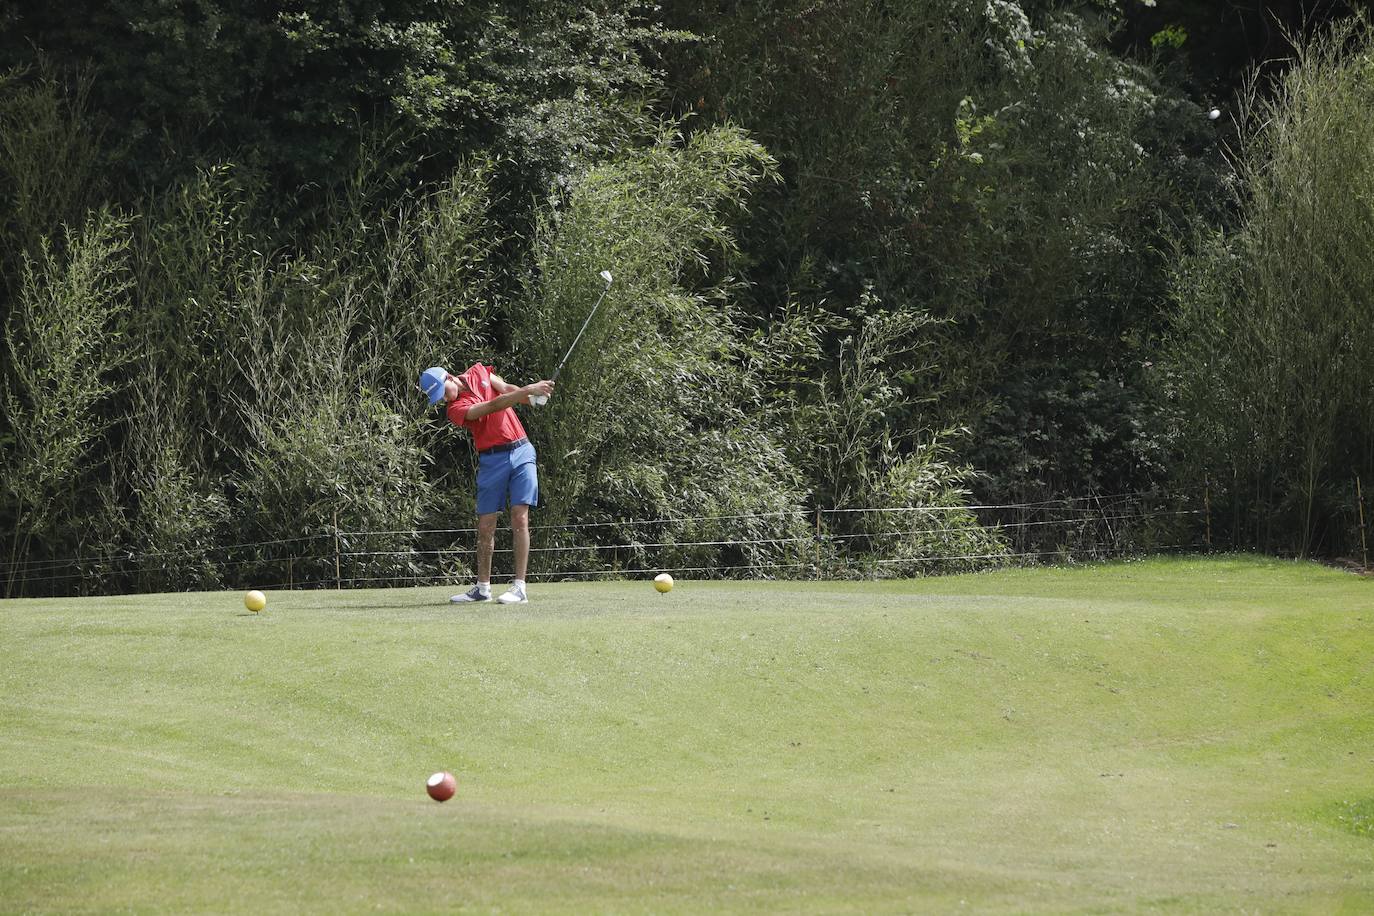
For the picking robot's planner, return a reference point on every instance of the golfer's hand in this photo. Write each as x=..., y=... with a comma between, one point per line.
x=545, y=388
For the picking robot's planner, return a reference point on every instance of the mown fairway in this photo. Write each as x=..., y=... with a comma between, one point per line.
x=1170, y=734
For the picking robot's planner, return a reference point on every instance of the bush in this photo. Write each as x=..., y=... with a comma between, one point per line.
x=843, y=430
x=63, y=350
x=162, y=511
x=324, y=447
x=1270, y=351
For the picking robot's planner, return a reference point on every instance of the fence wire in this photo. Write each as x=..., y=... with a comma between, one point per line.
x=835, y=542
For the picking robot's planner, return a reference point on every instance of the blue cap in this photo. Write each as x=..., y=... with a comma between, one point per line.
x=432, y=383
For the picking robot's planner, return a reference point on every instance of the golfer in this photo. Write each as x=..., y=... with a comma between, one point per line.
x=482, y=402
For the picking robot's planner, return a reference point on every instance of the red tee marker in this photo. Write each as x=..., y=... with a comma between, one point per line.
x=441, y=786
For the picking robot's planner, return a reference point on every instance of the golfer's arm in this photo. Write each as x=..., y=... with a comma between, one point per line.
x=512, y=397
x=501, y=385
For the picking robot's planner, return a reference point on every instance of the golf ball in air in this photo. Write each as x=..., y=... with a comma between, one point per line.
x=255, y=601
x=663, y=582
x=1214, y=113
x=441, y=786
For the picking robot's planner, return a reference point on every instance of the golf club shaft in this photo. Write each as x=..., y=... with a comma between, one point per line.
x=564, y=360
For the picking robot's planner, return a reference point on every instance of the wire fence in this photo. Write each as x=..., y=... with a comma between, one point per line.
x=804, y=543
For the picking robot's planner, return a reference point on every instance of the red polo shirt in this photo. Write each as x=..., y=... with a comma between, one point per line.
x=496, y=428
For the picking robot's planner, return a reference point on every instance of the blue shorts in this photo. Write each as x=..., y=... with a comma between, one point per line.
x=507, y=478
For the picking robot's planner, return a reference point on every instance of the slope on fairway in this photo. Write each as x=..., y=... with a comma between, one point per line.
x=1190, y=734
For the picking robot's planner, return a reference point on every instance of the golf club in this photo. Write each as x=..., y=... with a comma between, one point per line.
x=539, y=400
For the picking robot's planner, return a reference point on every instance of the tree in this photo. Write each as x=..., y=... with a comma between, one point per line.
x=991, y=165
x=292, y=90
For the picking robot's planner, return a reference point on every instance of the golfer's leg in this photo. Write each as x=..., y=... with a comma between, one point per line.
x=486, y=540
x=520, y=538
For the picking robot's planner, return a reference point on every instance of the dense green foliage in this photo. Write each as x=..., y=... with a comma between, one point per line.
x=867, y=257
x=987, y=166
x=293, y=90
x=1274, y=337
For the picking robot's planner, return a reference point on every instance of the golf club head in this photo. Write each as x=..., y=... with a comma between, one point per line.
x=606, y=275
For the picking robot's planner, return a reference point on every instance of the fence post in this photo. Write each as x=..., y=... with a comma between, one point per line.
x=819, y=552
x=338, y=578
x=1364, y=547
x=1107, y=523
x=1207, y=511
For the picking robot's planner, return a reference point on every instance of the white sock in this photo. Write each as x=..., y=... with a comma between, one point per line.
x=485, y=587
x=518, y=583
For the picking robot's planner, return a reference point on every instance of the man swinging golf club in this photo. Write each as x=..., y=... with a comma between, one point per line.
x=482, y=402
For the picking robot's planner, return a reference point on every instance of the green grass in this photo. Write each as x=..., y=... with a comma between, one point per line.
x=1171, y=734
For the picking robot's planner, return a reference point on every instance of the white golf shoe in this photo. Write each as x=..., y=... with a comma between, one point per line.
x=473, y=594
x=514, y=595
